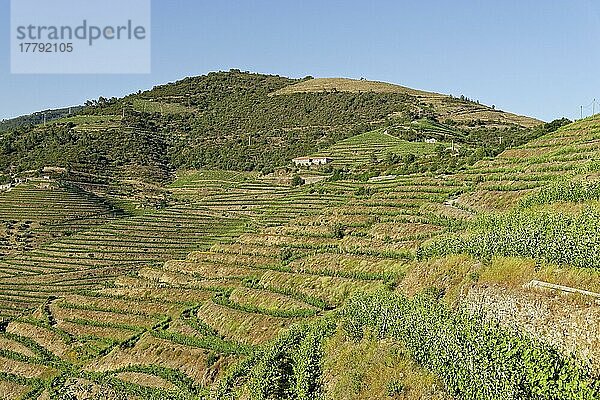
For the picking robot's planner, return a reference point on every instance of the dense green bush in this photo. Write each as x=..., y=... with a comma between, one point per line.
x=576, y=192
x=287, y=368
x=475, y=359
x=554, y=238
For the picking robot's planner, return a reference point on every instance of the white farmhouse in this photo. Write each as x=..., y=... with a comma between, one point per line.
x=310, y=161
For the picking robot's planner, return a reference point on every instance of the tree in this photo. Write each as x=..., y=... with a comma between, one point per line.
x=297, y=180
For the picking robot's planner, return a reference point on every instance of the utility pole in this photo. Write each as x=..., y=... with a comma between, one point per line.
x=581, y=112
x=594, y=107
x=44, y=118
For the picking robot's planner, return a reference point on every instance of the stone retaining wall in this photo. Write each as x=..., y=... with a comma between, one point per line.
x=571, y=324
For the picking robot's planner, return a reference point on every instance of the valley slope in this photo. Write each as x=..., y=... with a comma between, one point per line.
x=212, y=283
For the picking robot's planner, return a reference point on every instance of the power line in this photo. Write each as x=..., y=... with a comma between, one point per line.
x=591, y=107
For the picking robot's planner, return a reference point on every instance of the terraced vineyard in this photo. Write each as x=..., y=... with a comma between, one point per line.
x=37, y=211
x=372, y=146
x=85, y=260
x=246, y=289
x=303, y=254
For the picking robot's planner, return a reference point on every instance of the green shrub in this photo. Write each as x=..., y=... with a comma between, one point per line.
x=555, y=238
x=475, y=359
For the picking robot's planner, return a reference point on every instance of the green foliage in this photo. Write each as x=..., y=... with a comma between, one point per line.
x=576, y=192
x=290, y=367
x=395, y=388
x=338, y=231
x=230, y=120
x=475, y=359
x=554, y=238
x=286, y=254
x=111, y=150
x=297, y=180
x=37, y=118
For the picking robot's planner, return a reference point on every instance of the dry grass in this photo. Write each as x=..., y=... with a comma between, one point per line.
x=349, y=85
x=152, y=351
x=208, y=270
x=147, y=307
x=348, y=263
x=516, y=272
x=325, y=220
x=451, y=274
x=267, y=300
x=334, y=290
x=526, y=152
x=80, y=330
x=399, y=231
x=265, y=245
x=165, y=277
x=300, y=230
x=14, y=346
x=44, y=337
x=161, y=278
x=84, y=389
x=370, y=368
x=24, y=369
x=142, y=379
x=11, y=390
x=567, y=207
x=233, y=259
x=156, y=293
x=104, y=317
x=457, y=273
x=490, y=200
x=461, y=112
x=240, y=326
x=491, y=117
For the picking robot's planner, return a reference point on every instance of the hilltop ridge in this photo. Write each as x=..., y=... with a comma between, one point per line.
x=232, y=120
x=449, y=107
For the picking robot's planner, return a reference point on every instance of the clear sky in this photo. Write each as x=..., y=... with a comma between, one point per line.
x=534, y=57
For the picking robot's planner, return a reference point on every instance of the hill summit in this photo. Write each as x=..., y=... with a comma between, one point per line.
x=245, y=121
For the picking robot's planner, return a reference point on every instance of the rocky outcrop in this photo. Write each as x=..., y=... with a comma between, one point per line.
x=569, y=322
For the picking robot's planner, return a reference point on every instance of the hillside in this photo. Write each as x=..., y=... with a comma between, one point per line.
x=37, y=118
x=144, y=255
x=232, y=120
x=445, y=107
x=345, y=288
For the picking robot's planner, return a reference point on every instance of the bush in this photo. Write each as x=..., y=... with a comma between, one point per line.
x=297, y=180
x=554, y=238
x=475, y=359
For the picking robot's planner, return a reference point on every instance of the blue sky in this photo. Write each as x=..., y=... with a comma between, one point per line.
x=536, y=57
